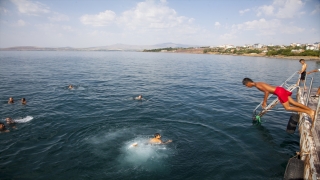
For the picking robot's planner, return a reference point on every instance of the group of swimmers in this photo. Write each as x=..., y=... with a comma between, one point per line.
x=284, y=95
x=157, y=136
x=23, y=101
x=9, y=120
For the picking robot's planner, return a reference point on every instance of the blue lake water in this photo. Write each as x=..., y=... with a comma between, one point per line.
x=197, y=101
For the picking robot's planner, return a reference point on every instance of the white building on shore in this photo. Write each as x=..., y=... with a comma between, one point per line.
x=226, y=46
x=257, y=46
x=314, y=46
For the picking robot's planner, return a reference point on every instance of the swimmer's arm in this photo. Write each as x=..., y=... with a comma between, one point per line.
x=167, y=142
x=263, y=87
x=316, y=70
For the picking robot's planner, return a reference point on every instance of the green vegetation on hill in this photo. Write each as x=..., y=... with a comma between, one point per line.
x=266, y=50
x=238, y=51
x=159, y=50
x=288, y=52
x=270, y=51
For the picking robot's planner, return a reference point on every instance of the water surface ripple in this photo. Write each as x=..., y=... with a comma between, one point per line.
x=198, y=101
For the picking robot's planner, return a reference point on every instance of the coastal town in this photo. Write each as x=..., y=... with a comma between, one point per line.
x=294, y=50
x=308, y=51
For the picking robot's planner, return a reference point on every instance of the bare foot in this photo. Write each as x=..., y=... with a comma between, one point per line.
x=312, y=115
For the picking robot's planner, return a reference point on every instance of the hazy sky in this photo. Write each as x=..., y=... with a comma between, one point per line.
x=84, y=23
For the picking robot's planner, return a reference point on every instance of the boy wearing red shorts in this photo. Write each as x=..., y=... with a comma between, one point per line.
x=284, y=97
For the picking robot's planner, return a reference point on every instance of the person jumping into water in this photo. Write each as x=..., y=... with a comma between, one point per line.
x=157, y=140
x=284, y=97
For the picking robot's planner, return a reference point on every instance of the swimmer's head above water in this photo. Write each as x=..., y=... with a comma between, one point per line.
x=10, y=101
x=9, y=120
x=157, y=135
x=157, y=139
x=139, y=97
x=3, y=128
x=23, y=101
x=70, y=86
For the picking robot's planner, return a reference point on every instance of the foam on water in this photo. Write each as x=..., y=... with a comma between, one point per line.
x=23, y=120
x=108, y=137
x=134, y=154
x=138, y=153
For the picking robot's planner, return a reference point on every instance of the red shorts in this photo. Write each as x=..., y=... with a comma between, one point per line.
x=282, y=94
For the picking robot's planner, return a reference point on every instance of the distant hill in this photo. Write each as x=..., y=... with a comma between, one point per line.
x=115, y=47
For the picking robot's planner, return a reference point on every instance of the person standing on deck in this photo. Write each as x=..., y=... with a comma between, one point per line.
x=284, y=97
x=302, y=72
x=318, y=92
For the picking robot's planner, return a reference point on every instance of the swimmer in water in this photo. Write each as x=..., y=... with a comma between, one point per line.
x=24, y=101
x=11, y=101
x=11, y=122
x=70, y=86
x=139, y=97
x=157, y=140
x=3, y=128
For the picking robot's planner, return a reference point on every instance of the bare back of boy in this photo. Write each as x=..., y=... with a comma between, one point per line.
x=264, y=87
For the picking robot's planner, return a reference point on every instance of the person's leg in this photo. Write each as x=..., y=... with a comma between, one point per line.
x=298, y=82
x=297, y=104
x=317, y=94
x=298, y=107
x=304, y=84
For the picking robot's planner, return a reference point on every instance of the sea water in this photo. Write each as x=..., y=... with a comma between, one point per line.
x=197, y=101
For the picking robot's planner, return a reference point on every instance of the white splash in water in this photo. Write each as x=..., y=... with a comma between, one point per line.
x=138, y=153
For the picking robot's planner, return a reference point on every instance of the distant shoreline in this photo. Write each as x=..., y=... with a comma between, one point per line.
x=200, y=51
x=307, y=58
x=188, y=51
